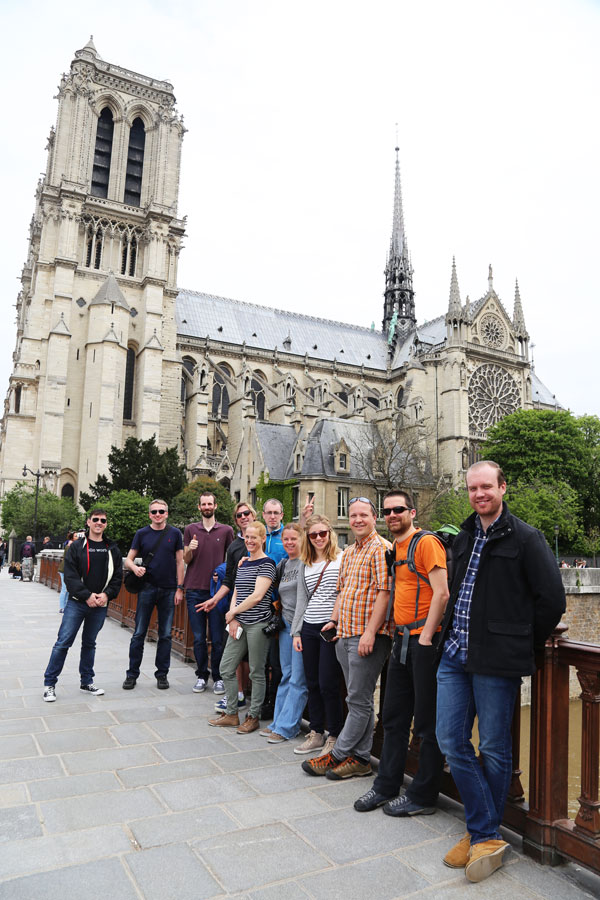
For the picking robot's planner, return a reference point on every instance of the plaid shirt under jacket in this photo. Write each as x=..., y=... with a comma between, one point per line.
x=363, y=573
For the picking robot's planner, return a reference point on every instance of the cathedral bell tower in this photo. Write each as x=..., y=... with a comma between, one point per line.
x=399, y=298
x=95, y=359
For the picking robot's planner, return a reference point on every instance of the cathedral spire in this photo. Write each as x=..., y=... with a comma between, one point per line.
x=454, y=304
x=518, y=317
x=399, y=305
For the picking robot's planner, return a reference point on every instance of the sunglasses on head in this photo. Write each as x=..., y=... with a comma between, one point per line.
x=243, y=514
x=157, y=512
x=317, y=534
x=99, y=519
x=397, y=510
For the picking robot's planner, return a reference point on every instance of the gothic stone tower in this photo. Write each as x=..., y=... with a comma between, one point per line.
x=95, y=358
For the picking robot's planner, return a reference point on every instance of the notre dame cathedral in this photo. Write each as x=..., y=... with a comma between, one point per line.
x=108, y=347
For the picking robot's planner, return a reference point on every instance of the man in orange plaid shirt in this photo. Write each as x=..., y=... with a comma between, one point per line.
x=363, y=643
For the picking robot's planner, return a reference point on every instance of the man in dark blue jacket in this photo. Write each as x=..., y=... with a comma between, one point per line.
x=506, y=597
x=93, y=575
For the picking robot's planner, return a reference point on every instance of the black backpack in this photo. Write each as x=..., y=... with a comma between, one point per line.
x=445, y=536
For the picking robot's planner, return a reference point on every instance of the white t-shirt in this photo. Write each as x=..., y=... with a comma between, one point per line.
x=320, y=606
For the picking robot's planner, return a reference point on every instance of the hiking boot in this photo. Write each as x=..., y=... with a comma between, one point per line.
x=458, y=856
x=129, y=683
x=91, y=689
x=402, y=806
x=250, y=723
x=162, y=682
x=369, y=801
x=314, y=741
x=349, y=768
x=484, y=859
x=50, y=694
x=320, y=765
x=225, y=721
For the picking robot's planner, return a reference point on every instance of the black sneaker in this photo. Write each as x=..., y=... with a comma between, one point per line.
x=371, y=800
x=402, y=806
x=50, y=694
x=162, y=682
x=129, y=683
x=91, y=689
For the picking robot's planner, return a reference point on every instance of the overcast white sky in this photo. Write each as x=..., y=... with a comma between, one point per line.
x=288, y=164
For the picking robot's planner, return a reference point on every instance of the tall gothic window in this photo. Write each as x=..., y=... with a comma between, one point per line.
x=129, y=249
x=129, y=382
x=93, y=253
x=135, y=163
x=257, y=395
x=102, y=154
x=220, y=397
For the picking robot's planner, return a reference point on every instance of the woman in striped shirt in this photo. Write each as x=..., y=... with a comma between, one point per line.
x=248, y=614
x=317, y=590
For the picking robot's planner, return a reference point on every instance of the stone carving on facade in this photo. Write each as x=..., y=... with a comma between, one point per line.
x=493, y=394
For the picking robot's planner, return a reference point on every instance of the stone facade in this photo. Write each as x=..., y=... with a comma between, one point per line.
x=107, y=347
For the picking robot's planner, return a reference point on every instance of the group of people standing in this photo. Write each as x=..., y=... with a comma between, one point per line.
x=458, y=643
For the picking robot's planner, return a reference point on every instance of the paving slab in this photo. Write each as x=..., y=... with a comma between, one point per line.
x=72, y=813
x=355, y=882
x=73, y=786
x=92, y=881
x=188, y=879
x=19, y=822
x=195, y=792
x=157, y=774
x=183, y=826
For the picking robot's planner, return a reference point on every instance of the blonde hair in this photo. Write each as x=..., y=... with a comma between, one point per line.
x=308, y=554
x=239, y=505
x=293, y=526
x=258, y=526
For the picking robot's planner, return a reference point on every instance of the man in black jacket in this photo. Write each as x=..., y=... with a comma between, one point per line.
x=93, y=575
x=506, y=597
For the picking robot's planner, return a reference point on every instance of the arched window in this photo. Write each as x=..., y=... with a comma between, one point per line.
x=129, y=382
x=68, y=491
x=93, y=255
x=220, y=397
x=102, y=154
x=187, y=375
x=129, y=248
x=18, y=398
x=400, y=398
x=135, y=163
x=257, y=395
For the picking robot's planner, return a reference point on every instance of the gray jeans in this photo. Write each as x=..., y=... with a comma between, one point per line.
x=256, y=645
x=361, y=674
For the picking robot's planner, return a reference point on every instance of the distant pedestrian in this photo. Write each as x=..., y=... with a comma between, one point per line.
x=27, y=554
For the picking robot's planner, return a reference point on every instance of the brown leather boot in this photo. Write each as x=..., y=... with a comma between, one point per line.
x=484, y=859
x=458, y=856
x=225, y=721
x=250, y=723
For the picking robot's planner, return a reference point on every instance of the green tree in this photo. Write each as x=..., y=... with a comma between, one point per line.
x=126, y=511
x=546, y=505
x=540, y=445
x=451, y=508
x=589, y=486
x=184, y=508
x=55, y=515
x=141, y=467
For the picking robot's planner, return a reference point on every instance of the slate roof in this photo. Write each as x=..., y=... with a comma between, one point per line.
x=202, y=315
x=276, y=444
x=540, y=393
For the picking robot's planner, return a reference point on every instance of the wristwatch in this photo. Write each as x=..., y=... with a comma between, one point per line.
x=179, y=587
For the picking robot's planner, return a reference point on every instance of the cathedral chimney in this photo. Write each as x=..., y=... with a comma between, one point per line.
x=399, y=305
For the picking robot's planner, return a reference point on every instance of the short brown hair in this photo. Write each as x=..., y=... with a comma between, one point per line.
x=398, y=492
x=207, y=494
x=493, y=465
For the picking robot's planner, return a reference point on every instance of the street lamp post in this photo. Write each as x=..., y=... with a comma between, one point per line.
x=556, y=531
x=37, y=475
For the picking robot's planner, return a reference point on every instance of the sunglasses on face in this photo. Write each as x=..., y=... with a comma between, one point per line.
x=243, y=514
x=157, y=512
x=98, y=519
x=397, y=510
x=318, y=534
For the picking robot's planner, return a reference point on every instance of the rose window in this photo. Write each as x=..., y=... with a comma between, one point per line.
x=493, y=332
x=493, y=394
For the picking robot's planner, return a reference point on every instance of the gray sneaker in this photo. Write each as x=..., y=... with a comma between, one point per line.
x=50, y=694
x=314, y=741
x=200, y=686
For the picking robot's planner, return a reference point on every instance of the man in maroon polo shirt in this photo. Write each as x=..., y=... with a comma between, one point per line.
x=204, y=546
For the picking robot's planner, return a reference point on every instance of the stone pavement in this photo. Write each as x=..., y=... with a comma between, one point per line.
x=133, y=795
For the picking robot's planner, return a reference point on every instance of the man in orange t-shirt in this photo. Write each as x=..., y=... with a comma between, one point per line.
x=411, y=680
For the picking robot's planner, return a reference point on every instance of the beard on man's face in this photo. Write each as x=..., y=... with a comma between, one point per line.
x=208, y=513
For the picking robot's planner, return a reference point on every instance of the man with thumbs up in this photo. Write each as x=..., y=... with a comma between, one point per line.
x=204, y=546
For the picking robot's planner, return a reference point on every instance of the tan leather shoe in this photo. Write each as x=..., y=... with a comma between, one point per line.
x=458, y=856
x=225, y=721
x=484, y=859
x=250, y=723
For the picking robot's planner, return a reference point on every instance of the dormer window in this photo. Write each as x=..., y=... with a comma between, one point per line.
x=343, y=462
x=342, y=458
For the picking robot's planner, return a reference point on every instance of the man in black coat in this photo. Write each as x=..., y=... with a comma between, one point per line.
x=93, y=575
x=506, y=598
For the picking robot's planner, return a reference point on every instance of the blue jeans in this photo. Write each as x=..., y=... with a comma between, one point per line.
x=76, y=614
x=292, y=691
x=62, y=600
x=149, y=597
x=216, y=624
x=461, y=696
